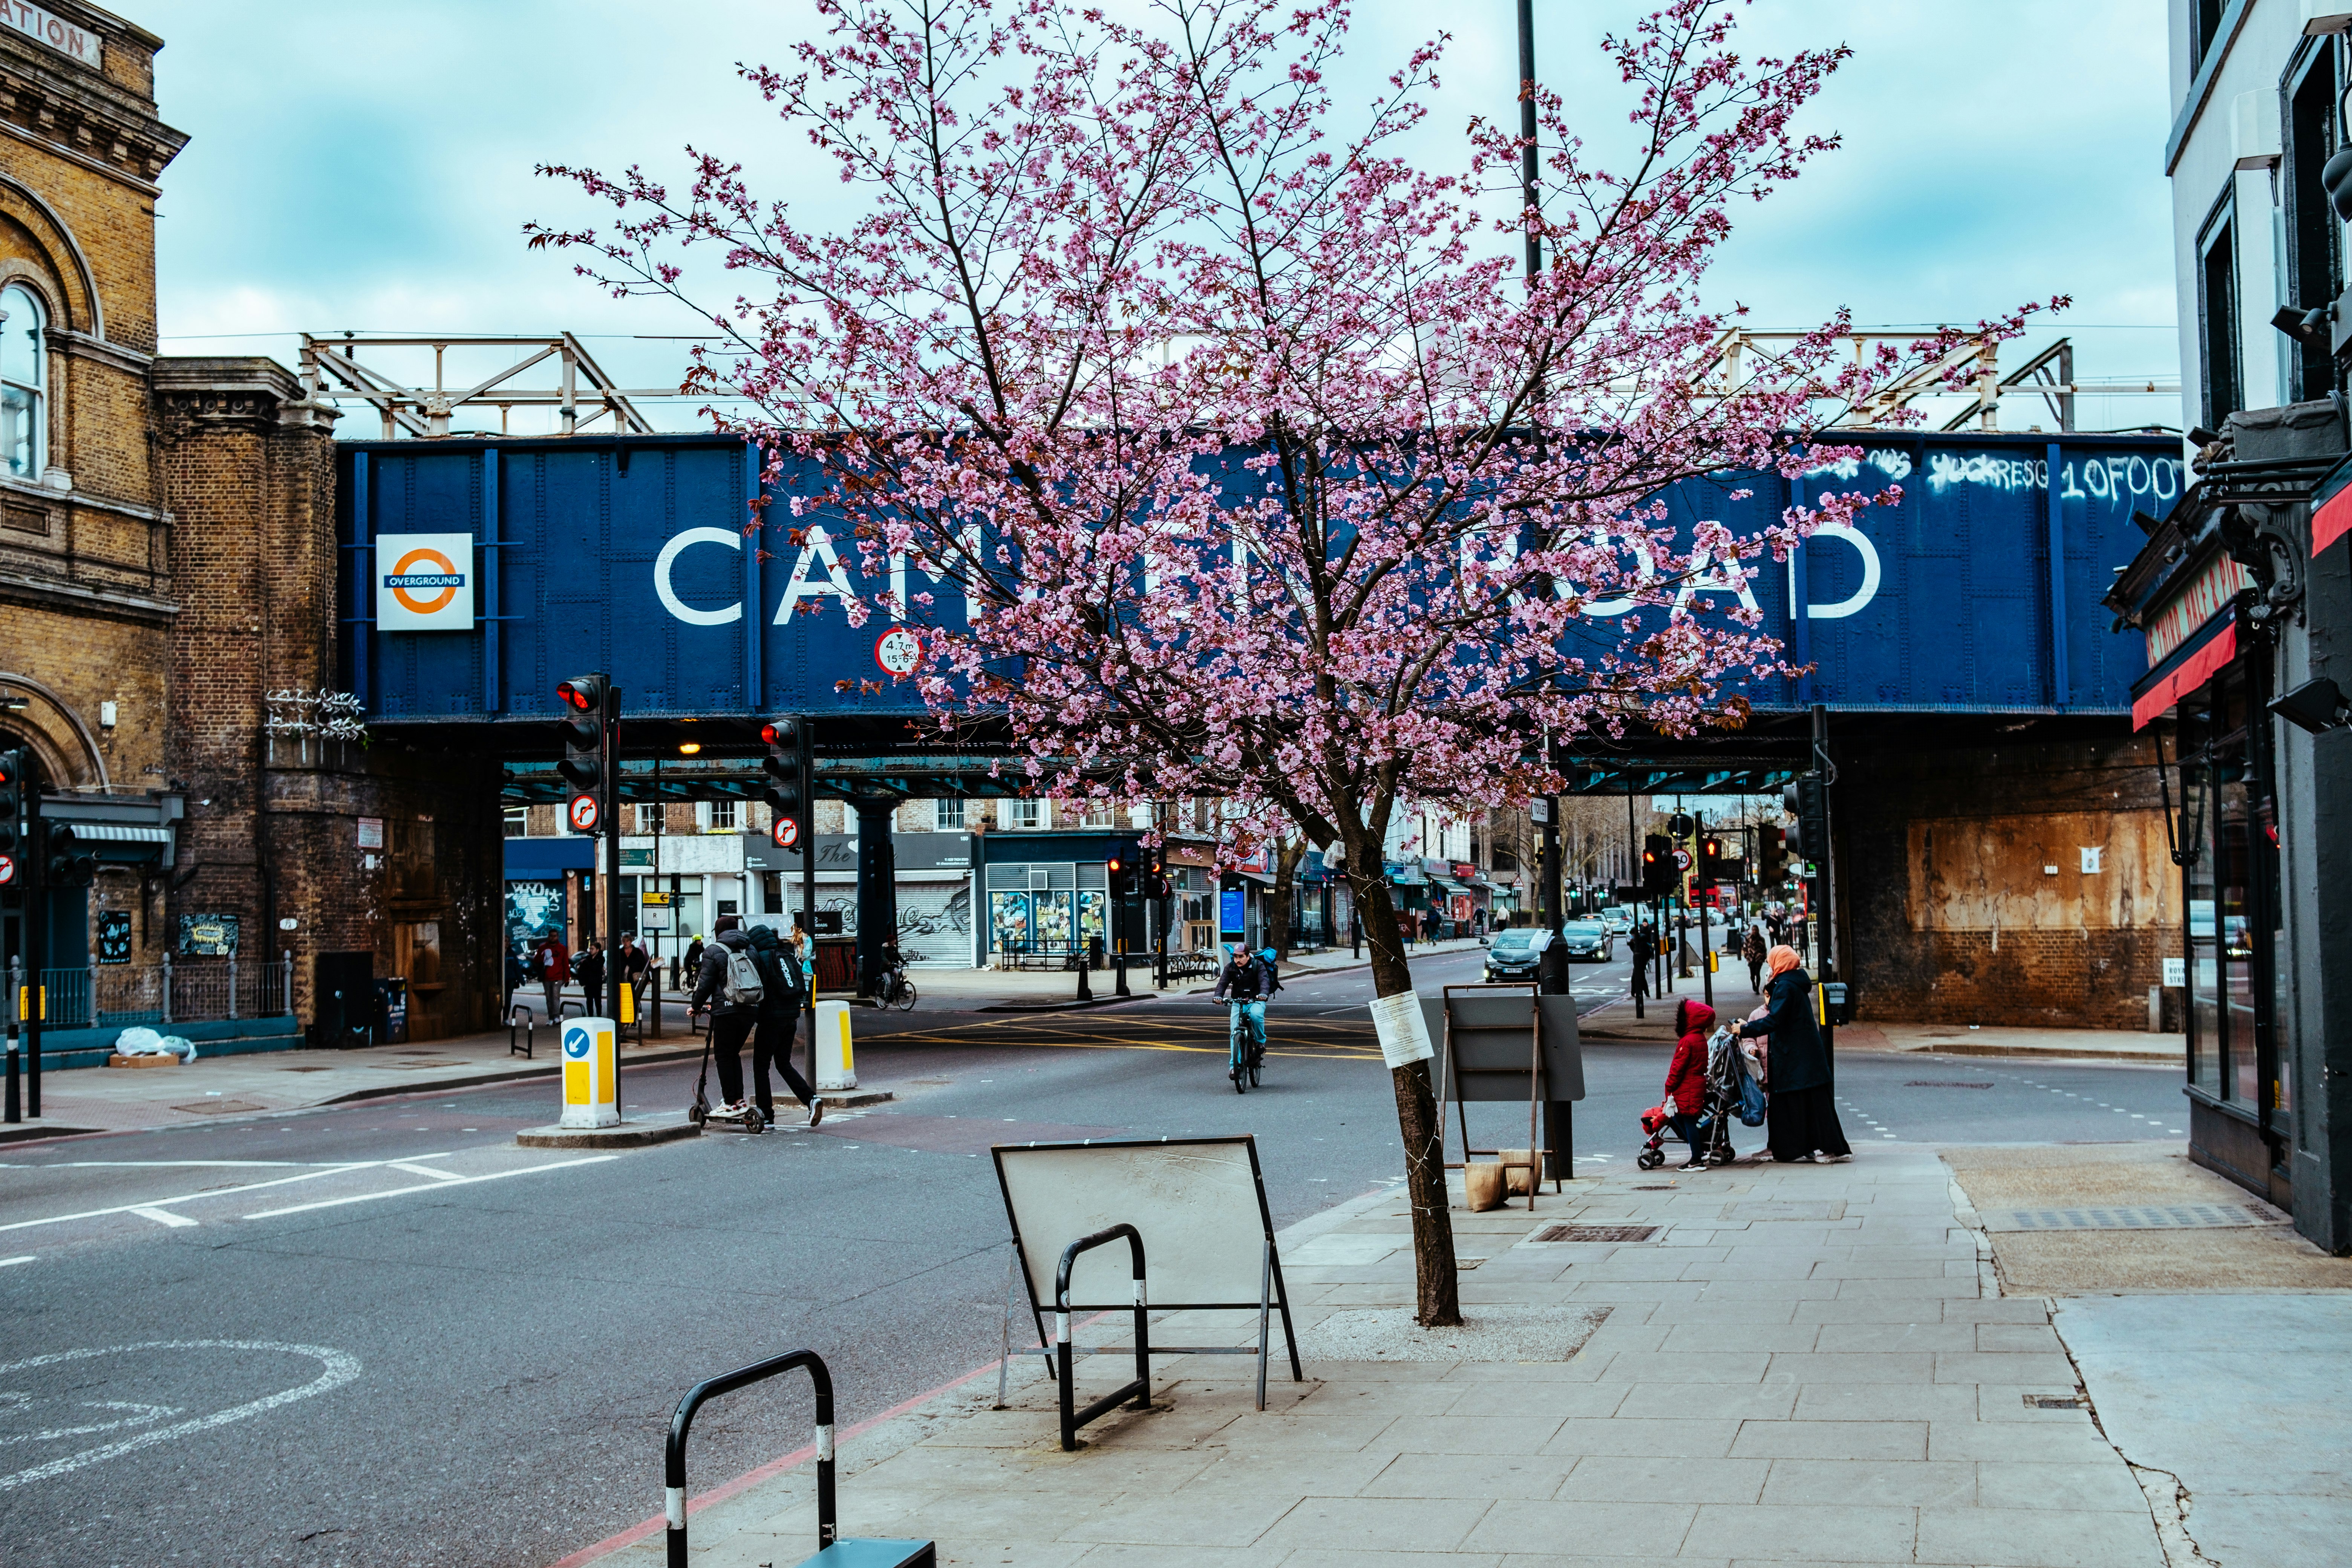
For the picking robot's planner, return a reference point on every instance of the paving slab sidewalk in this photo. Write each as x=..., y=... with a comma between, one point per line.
x=1797, y=1363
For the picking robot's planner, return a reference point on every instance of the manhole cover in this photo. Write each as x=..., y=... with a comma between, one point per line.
x=1940, y=1083
x=1832, y=1209
x=2141, y=1216
x=217, y=1107
x=1595, y=1233
x=2055, y=1402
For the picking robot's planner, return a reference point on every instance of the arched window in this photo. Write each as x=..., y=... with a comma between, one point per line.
x=23, y=382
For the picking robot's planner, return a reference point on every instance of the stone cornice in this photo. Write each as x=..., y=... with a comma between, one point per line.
x=82, y=117
x=78, y=598
x=81, y=345
x=254, y=390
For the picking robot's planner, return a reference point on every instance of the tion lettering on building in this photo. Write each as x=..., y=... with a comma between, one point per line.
x=60, y=34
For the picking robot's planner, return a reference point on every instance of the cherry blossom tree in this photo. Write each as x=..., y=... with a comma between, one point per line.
x=1229, y=450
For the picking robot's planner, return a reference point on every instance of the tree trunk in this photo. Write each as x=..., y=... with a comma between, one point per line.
x=1288, y=854
x=1437, y=1291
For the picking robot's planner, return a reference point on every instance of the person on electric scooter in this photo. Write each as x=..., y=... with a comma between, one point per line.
x=731, y=1014
x=1250, y=979
x=779, y=1015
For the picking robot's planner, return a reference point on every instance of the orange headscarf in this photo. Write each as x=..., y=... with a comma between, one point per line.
x=1782, y=958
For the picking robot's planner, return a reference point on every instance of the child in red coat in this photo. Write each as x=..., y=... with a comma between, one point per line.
x=1686, y=1076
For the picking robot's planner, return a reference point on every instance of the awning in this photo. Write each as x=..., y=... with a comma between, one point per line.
x=2331, y=509
x=2190, y=666
x=121, y=832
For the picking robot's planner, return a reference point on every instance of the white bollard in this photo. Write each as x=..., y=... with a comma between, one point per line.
x=590, y=1080
x=835, y=1067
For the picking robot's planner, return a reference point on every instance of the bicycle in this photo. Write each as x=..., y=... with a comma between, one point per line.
x=898, y=991
x=1244, y=1048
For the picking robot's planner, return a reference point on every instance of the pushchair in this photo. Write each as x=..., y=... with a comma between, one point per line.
x=1726, y=1075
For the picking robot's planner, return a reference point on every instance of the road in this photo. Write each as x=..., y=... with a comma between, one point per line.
x=382, y=1334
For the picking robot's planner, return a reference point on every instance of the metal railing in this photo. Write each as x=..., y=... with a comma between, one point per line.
x=119, y=996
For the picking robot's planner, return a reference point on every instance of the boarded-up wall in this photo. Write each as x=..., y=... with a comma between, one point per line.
x=1949, y=914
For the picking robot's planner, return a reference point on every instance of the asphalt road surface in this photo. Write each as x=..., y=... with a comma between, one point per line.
x=381, y=1334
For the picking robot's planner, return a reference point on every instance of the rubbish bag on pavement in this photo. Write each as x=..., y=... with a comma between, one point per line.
x=140, y=1041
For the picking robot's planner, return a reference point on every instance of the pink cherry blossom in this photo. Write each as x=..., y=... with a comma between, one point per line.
x=1267, y=472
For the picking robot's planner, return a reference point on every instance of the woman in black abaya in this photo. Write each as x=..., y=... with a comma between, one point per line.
x=1802, y=1119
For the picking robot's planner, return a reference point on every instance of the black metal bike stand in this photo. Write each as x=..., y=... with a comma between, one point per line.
x=1140, y=1387
x=832, y=1551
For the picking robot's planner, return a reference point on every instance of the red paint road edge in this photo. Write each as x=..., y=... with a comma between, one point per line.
x=749, y=1479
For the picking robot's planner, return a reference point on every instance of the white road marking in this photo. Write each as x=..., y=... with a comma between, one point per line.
x=145, y=1412
x=12, y=1262
x=307, y=1175
x=142, y=1164
x=340, y=1369
x=416, y=1170
x=436, y=1186
x=161, y=1216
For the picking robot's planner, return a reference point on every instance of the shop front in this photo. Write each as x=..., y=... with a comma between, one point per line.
x=2242, y=594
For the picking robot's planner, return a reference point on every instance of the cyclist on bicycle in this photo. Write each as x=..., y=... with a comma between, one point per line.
x=1248, y=979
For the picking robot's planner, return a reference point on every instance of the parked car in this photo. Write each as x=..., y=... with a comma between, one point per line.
x=1515, y=953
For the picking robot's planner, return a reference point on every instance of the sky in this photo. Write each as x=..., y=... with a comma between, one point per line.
x=354, y=167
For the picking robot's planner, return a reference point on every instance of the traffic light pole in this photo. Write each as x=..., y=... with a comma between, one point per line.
x=37, y=945
x=806, y=744
x=609, y=807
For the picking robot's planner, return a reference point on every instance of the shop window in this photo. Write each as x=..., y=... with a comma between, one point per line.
x=947, y=816
x=2228, y=824
x=23, y=382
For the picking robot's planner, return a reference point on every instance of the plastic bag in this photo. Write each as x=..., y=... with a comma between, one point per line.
x=140, y=1041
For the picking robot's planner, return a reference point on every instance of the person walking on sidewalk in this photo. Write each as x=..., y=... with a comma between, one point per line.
x=718, y=987
x=1802, y=1121
x=1753, y=951
x=779, y=1015
x=1686, y=1077
x=551, y=960
x=588, y=969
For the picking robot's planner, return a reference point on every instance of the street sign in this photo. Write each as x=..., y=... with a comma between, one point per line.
x=583, y=812
x=7, y=869
x=787, y=831
x=1681, y=859
x=1538, y=809
x=1681, y=825
x=897, y=651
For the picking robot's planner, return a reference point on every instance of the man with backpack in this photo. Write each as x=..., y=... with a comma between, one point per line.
x=780, y=1013
x=730, y=986
x=1249, y=978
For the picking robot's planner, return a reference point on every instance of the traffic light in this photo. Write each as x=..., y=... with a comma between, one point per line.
x=1659, y=873
x=67, y=864
x=786, y=767
x=1771, y=857
x=15, y=778
x=1709, y=869
x=1156, y=884
x=1121, y=866
x=1807, y=800
x=584, y=701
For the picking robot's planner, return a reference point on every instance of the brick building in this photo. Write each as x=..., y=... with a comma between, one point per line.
x=167, y=615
